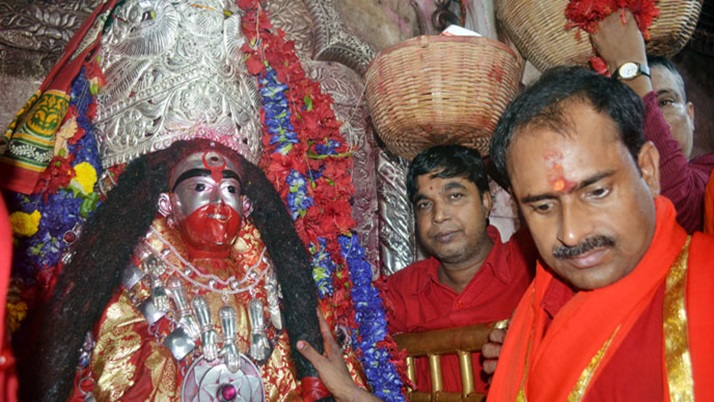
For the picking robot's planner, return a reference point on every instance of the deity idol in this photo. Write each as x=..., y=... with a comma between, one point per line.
x=174, y=291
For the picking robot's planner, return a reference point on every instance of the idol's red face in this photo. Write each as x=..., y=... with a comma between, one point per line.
x=206, y=203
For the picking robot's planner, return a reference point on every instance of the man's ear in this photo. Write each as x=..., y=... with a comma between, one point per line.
x=648, y=161
x=486, y=203
x=247, y=205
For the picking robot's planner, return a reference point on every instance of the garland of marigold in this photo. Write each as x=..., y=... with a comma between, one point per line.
x=309, y=162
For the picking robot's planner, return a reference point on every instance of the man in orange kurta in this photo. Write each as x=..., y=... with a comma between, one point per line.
x=619, y=308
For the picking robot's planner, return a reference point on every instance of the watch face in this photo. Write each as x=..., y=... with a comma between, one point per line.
x=628, y=70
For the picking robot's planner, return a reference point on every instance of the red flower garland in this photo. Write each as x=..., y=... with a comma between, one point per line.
x=323, y=159
x=315, y=123
x=586, y=14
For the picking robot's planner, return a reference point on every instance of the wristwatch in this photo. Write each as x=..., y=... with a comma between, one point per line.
x=631, y=70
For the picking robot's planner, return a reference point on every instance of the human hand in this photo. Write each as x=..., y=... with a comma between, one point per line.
x=331, y=367
x=492, y=350
x=619, y=40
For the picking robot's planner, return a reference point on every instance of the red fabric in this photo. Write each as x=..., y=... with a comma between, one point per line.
x=556, y=358
x=634, y=372
x=682, y=181
x=142, y=380
x=8, y=377
x=22, y=180
x=418, y=302
x=17, y=179
x=709, y=206
x=312, y=389
x=700, y=299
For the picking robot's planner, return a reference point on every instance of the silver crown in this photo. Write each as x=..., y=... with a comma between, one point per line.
x=175, y=71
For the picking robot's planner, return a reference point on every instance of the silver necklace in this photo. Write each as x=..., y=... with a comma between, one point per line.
x=213, y=283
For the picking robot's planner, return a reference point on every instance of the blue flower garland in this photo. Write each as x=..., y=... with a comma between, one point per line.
x=66, y=209
x=283, y=136
x=381, y=373
x=277, y=112
x=298, y=199
x=322, y=268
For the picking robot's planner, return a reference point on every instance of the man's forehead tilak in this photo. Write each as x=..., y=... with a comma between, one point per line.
x=553, y=160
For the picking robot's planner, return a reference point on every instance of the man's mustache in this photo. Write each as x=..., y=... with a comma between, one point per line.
x=583, y=247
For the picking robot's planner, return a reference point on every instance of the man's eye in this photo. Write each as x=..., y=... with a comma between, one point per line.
x=600, y=192
x=200, y=187
x=542, y=208
x=665, y=102
x=456, y=196
x=231, y=189
x=422, y=205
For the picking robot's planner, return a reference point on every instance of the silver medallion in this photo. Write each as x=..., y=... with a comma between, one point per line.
x=213, y=382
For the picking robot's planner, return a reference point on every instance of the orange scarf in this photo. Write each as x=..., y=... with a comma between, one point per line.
x=593, y=323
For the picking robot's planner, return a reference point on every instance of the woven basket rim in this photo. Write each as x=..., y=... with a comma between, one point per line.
x=425, y=40
x=395, y=96
x=537, y=30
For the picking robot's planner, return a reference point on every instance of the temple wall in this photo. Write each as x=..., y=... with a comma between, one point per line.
x=337, y=38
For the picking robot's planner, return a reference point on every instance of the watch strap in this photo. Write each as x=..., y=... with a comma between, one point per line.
x=642, y=69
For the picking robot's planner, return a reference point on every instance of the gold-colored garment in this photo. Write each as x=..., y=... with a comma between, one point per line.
x=115, y=361
x=130, y=362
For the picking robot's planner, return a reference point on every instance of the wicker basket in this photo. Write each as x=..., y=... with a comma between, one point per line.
x=537, y=28
x=433, y=90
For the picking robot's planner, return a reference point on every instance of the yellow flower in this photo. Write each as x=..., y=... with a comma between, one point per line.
x=16, y=308
x=86, y=177
x=24, y=224
x=16, y=313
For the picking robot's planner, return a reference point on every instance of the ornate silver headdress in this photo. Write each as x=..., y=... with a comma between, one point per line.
x=175, y=71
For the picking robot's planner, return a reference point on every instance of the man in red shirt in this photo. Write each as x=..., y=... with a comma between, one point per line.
x=471, y=276
x=669, y=121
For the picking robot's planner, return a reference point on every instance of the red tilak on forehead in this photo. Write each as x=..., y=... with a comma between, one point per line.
x=217, y=170
x=554, y=172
